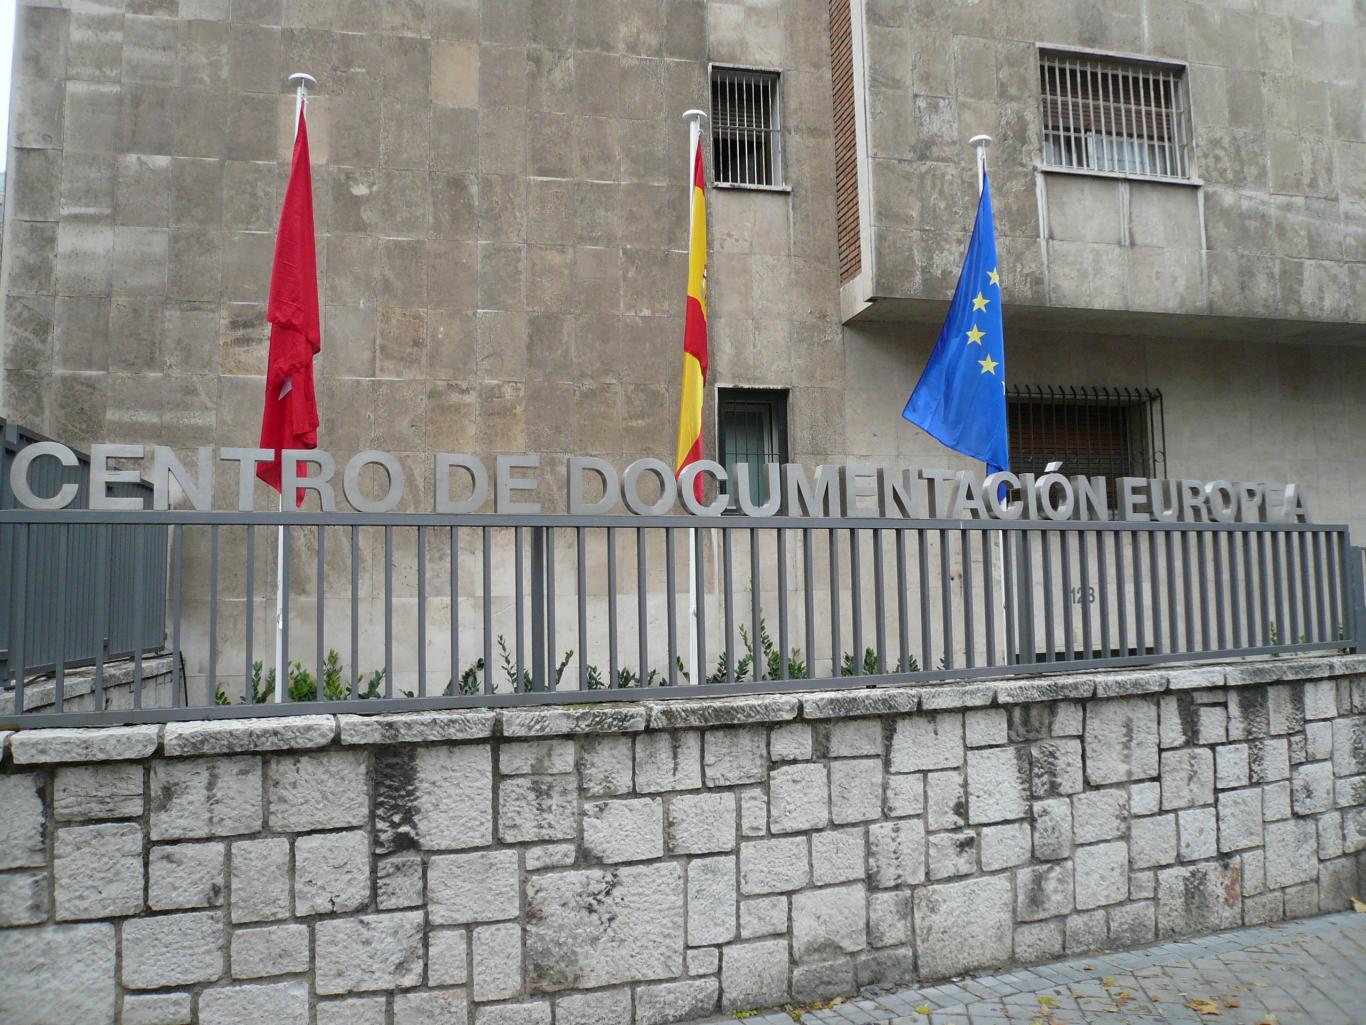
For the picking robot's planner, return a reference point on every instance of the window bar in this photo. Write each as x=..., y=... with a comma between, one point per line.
x=988, y=597
x=355, y=612
x=969, y=638
x=945, y=600
x=1028, y=638
x=1121, y=593
x=1278, y=579
x=856, y=597
x=1306, y=596
x=642, y=609
x=18, y=613
x=614, y=680
x=1217, y=544
x=903, y=624
x=103, y=533
x=670, y=610
x=1341, y=561
x=1095, y=75
x=1046, y=558
x=322, y=555
x=388, y=609
x=808, y=599
x=926, y=638
x=1155, y=587
x=1173, y=619
x=486, y=537
x=212, y=696
x=1008, y=589
x=755, y=600
x=456, y=679
x=1202, y=570
x=177, y=565
x=699, y=553
x=1140, y=618
x=1264, y=626
x=782, y=601
x=1068, y=626
x=835, y=643
x=1074, y=134
x=552, y=669
x=1250, y=608
x=1321, y=578
x=1287, y=542
x=581, y=596
x=879, y=583
x=728, y=584
x=1235, y=590
x=59, y=667
x=1084, y=558
x=518, y=612
x=139, y=575
x=1103, y=593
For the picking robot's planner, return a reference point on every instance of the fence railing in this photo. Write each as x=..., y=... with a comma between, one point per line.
x=425, y=610
x=70, y=626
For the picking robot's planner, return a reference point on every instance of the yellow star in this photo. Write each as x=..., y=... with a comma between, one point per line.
x=975, y=336
x=994, y=278
x=979, y=303
x=988, y=365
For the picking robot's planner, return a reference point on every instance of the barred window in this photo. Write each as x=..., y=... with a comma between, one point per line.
x=1120, y=116
x=751, y=428
x=1107, y=432
x=746, y=127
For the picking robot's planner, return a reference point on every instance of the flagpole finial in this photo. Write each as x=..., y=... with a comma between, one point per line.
x=980, y=143
x=302, y=80
x=695, y=115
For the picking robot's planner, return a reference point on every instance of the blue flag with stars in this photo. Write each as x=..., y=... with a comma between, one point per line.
x=960, y=399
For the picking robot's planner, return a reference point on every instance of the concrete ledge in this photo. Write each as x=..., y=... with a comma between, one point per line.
x=1059, y=688
x=670, y=715
x=102, y=744
x=1197, y=678
x=956, y=695
x=619, y=717
x=416, y=727
x=838, y=704
x=235, y=736
x=1121, y=685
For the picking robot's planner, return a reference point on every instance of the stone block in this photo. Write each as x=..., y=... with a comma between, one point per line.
x=829, y=922
x=1211, y=725
x=753, y=975
x=1291, y=853
x=774, y=866
x=433, y=797
x=855, y=789
x=998, y=784
x=964, y=925
x=1318, y=741
x=1268, y=760
x=633, y=830
x=269, y=950
x=985, y=727
x=1276, y=801
x=927, y=742
x=1142, y=885
x=1099, y=815
x=241, y=736
x=814, y=982
x=1337, y=884
x=322, y=790
x=1187, y=778
x=536, y=757
x=331, y=873
x=1176, y=720
x=1102, y=875
x=799, y=798
x=1056, y=768
x=97, y=871
x=1311, y=788
x=711, y=900
x=551, y=855
x=1052, y=829
x=497, y=961
x=753, y=812
x=113, y=744
x=905, y=795
x=734, y=756
x=537, y=808
x=107, y=790
x=668, y=760
x=701, y=823
x=483, y=887
x=1198, y=833
x=853, y=738
x=1302, y=901
x=158, y=1009
x=369, y=953
x=838, y=856
x=790, y=743
x=432, y=1007
x=1329, y=827
x=1152, y=841
x=704, y=960
x=1198, y=899
x=1320, y=699
x=669, y=1002
x=416, y=727
x=1086, y=930
x=731, y=711
x=605, y=766
x=604, y=1007
x=586, y=719
x=889, y=918
x=1121, y=740
x=601, y=927
x=946, y=805
x=353, y=1011
x=204, y=797
x=896, y=853
x=398, y=883
x=23, y=899
x=1145, y=798
x=1043, y=891
x=1239, y=820
x=187, y=875
x=172, y=950
x=1354, y=830
x=67, y=971
x=1131, y=925
x=1039, y=941
x=763, y=916
x=952, y=854
x=447, y=951
x=1264, y=908
x=1230, y=766
x=1005, y=846
x=260, y=880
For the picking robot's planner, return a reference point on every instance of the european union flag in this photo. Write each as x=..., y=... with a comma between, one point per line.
x=960, y=399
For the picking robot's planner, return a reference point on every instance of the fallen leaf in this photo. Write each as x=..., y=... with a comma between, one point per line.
x=1231, y=1002
x=1048, y=1001
x=1202, y=1005
x=924, y=1009
x=1108, y=981
x=1270, y=1019
x=1359, y=905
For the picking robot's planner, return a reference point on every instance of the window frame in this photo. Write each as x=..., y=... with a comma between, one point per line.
x=777, y=401
x=778, y=134
x=1180, y=67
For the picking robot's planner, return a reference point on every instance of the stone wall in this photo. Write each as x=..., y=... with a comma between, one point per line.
x=654, y=862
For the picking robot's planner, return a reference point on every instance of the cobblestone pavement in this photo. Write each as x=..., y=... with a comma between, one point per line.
x=1309, y=972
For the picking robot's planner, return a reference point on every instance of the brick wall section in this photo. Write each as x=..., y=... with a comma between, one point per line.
x=655, y=862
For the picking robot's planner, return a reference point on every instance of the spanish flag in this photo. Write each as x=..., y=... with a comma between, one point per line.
x=694, y=323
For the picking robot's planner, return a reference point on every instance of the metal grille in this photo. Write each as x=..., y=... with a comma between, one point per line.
x=1126, y=117
x=1095, y=432
x=846, y=139
x=746, y=119
x=752, y=429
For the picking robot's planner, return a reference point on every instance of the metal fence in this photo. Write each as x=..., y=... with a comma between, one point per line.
x=65, y=623
x=593, y=608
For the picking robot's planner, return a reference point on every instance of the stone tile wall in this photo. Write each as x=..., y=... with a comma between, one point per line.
x=655, y=862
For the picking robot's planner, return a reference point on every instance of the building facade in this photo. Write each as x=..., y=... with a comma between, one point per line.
x=501, y=190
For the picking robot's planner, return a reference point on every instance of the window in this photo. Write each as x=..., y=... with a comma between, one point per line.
x=746, y=127
x=1109, y=432
x=1118, y=116
x=751, y=428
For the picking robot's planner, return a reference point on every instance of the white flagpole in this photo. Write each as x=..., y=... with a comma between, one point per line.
x=302, y=82
x=694, y=118
x=980, y=143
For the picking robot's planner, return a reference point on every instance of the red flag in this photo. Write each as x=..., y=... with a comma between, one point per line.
x=289, y=419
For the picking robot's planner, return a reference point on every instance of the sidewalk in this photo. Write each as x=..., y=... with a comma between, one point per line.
x=1309, y=972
